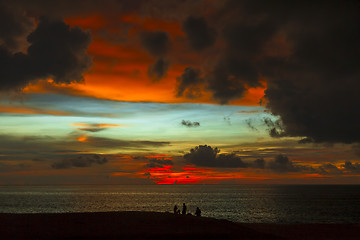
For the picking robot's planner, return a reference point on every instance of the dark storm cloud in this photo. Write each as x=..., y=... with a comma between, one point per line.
x=324, y=64
x=158, y=163
x=66, y=8
x=224, y=88
x=158, y=70
x=169, y=9
x=80, y=161
x=236, y=70
x=206, y=156
x=199, y=34
x=275, y=128
x=55, y=51
x=258, y=163
x=59, y=49
x=231, y=77
x=156, y=43
x=314, y=88
x=329, y=169
x=282, y=163
x=187, y=83
x=351, y=167
x=307, y=51
x=190, y=124
x=14, y=27
x=230, y=160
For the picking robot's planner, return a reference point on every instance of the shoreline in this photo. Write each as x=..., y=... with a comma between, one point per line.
x=156, y=225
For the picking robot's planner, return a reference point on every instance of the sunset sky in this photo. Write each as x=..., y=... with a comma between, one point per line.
x=178, y=92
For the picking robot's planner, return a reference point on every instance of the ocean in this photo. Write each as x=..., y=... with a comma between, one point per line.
x=239, y=203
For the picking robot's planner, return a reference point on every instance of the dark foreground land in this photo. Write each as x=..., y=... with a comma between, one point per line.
x=152, y=225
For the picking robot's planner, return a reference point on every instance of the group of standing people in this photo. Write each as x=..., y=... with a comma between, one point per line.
x=184, y=209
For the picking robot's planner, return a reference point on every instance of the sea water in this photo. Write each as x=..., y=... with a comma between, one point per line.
x=239, y=203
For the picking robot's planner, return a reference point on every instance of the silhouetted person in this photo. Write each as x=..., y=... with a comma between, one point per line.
x=184, y=209
x=175, y=209
x=178, y=211
x=198, y=212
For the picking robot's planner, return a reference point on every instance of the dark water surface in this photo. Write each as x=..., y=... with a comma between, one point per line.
x=240, y=203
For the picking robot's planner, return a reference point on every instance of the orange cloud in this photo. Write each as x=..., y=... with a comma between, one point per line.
x=119, y=70
x=82, y=138
x=94, y=21
x=151, y=24
x=31, y=110
x=96, y=125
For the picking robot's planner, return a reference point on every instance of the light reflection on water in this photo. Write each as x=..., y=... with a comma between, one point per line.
x=241, y=203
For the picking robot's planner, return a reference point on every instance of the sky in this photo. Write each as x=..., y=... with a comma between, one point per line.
x=179, y=92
